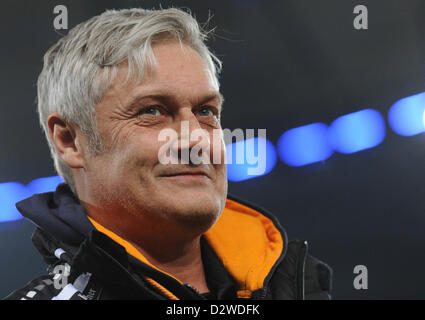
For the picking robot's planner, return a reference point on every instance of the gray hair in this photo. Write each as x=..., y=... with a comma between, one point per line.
x=81, y=66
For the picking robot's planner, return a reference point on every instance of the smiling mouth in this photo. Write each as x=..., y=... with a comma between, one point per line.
x=190, y=176
x=185, y=175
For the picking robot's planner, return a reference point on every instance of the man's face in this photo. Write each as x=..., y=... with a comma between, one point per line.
x=128, y=179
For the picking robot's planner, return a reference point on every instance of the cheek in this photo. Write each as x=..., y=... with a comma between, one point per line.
x=133, y=151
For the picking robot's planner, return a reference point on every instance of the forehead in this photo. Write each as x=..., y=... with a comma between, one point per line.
x=179, y=71
x=179, y=61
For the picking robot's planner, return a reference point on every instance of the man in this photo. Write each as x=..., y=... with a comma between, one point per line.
x=127, y=225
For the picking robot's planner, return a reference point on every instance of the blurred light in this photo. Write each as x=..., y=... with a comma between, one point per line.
x=357, y=131
x=259, y=158
x=47, y=184
x=10, y=193
x=406, y=116
x=304, y=145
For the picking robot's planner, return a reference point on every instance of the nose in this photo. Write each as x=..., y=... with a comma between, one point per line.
x=193, y=145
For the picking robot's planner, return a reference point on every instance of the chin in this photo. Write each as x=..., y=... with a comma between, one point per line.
x=196, y=211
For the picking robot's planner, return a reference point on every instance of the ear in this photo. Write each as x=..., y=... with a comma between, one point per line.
x=67, y=140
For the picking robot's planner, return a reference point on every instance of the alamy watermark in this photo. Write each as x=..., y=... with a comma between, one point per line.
x=61, y=20
x=360, y=21
x=200, y=147
x=361, y=281
x=60, y=279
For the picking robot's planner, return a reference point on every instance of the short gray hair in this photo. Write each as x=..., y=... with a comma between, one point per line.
x=81, y=66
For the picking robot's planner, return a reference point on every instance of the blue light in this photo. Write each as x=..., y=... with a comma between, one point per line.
x=304, y=145
x=10, y=193
x=406, y=116
x=258, y=158
x=357, y=131
x=47, y=184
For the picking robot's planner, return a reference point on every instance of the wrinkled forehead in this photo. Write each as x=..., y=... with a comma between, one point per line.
x=178, y=70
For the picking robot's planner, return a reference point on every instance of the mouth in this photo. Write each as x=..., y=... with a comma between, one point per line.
x=187, y=175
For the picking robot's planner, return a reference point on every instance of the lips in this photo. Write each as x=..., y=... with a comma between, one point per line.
x=186, y=173
x=183, y=173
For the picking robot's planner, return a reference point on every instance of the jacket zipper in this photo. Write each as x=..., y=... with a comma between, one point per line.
x=300, y=274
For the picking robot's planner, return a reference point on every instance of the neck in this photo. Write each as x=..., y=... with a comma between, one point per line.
x=178, y=254
x=184, y=262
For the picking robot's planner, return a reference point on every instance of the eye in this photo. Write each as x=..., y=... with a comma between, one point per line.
x=206, y=111
x=153, y=110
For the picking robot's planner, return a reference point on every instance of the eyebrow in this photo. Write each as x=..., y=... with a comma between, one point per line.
x=166, y=97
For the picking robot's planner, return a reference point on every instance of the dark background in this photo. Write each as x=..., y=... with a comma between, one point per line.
x=286, y=64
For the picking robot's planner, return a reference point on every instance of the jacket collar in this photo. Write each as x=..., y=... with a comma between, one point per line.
x=58, y=213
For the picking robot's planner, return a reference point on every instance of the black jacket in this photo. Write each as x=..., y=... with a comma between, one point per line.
x=245, y=255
